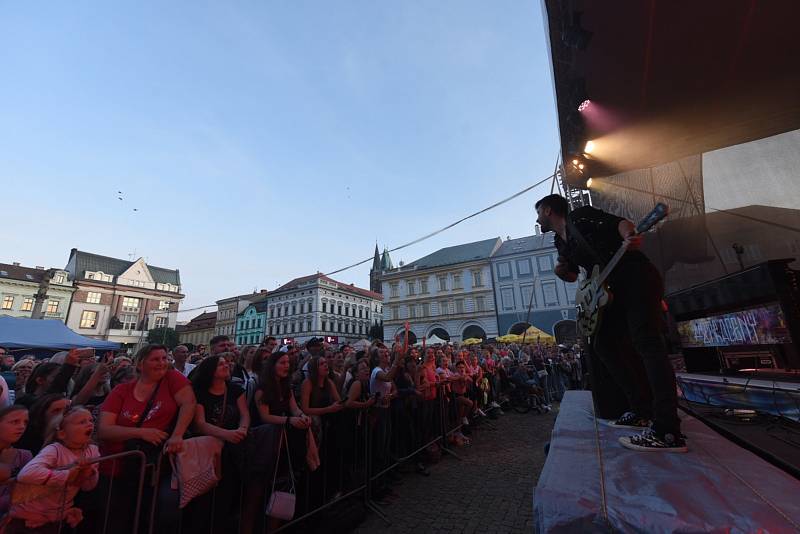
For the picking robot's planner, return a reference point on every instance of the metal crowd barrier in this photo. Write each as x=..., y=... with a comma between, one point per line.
x=94, y=504
x=355, y=460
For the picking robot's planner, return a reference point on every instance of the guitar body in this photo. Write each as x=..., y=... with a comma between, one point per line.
x=592, y=295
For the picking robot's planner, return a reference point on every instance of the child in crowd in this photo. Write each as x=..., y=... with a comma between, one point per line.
x=13, y=421
x=62, y=466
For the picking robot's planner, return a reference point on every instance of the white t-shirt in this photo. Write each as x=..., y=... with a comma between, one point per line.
x=381, y=386
x=187, y=368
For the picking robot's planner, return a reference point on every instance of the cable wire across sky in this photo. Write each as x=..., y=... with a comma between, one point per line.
x=419, y=239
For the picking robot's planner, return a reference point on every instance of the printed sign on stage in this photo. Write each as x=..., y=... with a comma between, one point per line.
x=765, y=325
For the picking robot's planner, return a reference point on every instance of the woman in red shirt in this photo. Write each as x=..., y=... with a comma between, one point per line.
x=168, y=400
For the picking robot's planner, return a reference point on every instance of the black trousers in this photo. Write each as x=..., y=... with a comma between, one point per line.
x=631, y=346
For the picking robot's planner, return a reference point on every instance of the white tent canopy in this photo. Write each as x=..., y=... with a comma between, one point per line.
x=433, y=340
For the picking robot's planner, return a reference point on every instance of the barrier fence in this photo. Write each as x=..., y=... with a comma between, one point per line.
x=358, y=450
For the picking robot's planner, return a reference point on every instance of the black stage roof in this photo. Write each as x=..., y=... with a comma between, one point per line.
x=668, y=79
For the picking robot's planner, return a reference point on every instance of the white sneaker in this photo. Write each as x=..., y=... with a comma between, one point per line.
x=464, y=421
x=481, y=412
x=493, y=404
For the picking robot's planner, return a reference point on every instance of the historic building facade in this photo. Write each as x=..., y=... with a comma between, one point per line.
x=318, y=306
x=37, y=292
x=523, y=278
x=199, y=330
x=252, y=322
x=447, y=293
x=119, y=300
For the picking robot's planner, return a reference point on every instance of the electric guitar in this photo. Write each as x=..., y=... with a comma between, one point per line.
x=593, y=293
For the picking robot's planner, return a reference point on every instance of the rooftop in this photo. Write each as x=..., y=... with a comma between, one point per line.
x=18, y=272
x=524, y=244
x=297, y=282
x=86, y=261
x=479, y=250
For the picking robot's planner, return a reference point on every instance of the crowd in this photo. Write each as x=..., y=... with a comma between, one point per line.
x=313, y=421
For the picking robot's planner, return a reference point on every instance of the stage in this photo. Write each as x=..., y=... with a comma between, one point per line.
x=590, y=483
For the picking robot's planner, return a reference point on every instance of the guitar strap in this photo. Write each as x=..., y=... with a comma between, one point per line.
x=582, y=243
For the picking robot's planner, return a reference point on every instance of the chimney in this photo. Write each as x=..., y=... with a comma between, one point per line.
x=15, y=264
x=39, y=268
x=263, y=291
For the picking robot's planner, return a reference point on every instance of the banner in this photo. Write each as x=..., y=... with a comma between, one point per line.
x=765, y=325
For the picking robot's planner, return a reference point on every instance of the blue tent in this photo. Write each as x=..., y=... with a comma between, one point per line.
x=51, y=334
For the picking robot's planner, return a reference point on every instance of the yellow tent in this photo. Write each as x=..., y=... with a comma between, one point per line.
x=509, y=338
x=534, y=335
x=472, y=341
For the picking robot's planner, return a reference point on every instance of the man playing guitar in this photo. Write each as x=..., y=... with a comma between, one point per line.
x=587, y=237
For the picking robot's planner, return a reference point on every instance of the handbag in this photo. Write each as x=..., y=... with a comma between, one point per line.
x=281, y=504
x=192, y=472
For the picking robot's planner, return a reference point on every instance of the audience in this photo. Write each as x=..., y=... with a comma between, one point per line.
x=394, y=400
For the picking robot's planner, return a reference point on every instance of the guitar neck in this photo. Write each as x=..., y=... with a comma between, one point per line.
x=612, y=263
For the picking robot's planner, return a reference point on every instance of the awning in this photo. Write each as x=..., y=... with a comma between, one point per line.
x=22, y=333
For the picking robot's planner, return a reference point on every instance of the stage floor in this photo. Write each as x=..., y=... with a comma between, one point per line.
x=590, y=483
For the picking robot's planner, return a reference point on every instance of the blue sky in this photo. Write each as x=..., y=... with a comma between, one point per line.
x=260, y=141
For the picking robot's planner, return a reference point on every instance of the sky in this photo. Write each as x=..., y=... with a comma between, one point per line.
x=262, y=141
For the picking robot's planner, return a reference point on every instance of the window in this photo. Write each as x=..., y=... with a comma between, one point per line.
x=504, y=270
x=88, y=319
x=324, y=307
x=456, y=280
x=412, y=311
x=394, y=289
x=545, y=263
x=395, y=313
x=52, y=307
x=294, y=309
x=258, y=325
x=93, y=297
x=524, y=267
x=571, y=289
x=308, y=326
x=130, y=304
x=8, y=302
x=477, y=279
x=162, y=322
x=423, y=286
x=324, y=326
x=444, y=308
x=480, y=304
x=340, y=309
x=411, y=287
x=507, y=298
x=59, y=278
x=163, y=305
x=526, y=292
x=27, y=304
x=426, y=309
x=442, y=282
x=128, y=321
x=550, y=293
x=459, y=306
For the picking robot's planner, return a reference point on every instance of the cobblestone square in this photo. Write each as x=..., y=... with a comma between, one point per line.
x=489, y=490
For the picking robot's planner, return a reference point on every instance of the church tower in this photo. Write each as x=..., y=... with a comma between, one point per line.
x=375, y=273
